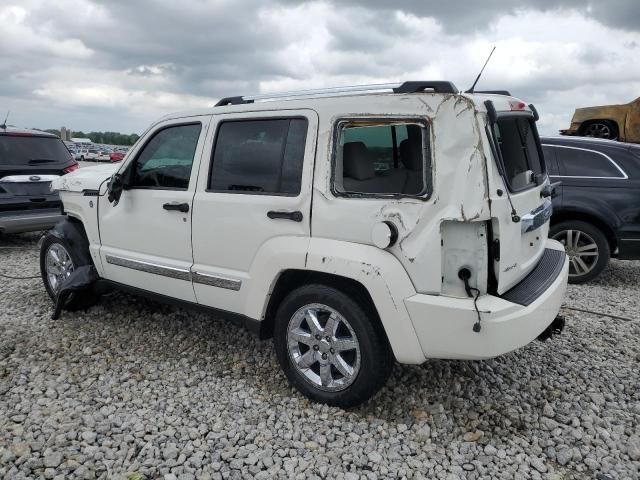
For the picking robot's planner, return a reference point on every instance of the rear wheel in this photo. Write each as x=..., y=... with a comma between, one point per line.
x=329, y=348
x=587, y=248
x=601, y=129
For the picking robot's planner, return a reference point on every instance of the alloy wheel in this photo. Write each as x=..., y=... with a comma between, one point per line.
x=58, y=265
x=582, y=250
x=323, y=347
x=599, y=130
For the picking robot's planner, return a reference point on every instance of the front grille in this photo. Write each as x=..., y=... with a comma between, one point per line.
x=540, y=278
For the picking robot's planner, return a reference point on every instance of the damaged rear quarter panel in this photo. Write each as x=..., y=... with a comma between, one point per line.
x=459, y=187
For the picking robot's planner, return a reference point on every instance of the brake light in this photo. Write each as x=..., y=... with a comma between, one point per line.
x=71, y=168
x=517, y=105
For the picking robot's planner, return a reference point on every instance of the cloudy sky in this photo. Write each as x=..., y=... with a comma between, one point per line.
x=119, y=64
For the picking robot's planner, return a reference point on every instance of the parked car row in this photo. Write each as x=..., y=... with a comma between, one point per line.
x=99, y=154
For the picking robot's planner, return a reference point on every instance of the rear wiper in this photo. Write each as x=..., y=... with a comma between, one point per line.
x=36, y=161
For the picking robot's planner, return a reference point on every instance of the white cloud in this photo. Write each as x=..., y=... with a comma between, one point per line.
x=120, y=65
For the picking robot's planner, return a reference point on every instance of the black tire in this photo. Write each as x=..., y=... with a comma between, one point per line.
x=80, y=257
x=592, y=235
x=600, y=129
x=375, y=360
x=82, y=158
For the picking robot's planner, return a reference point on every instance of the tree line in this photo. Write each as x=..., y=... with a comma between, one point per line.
x=109, y=138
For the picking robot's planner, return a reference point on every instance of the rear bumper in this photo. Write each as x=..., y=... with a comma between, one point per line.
x=444, y=325
x=29, y=221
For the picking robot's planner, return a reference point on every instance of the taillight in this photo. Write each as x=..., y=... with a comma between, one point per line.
x=71, y=168
x=517, y=105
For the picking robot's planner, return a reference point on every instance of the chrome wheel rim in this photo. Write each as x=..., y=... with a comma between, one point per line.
x=323, y=347
x=58, y=265
x=582, y=251
x=598, y=130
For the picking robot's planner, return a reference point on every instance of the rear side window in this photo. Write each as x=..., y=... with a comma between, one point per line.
x=578, y=162
x=259, y=156
x=381, y=158
x=31, y=150
x=518, y=144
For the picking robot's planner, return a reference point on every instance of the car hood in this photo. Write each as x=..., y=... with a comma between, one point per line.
x=86, y=178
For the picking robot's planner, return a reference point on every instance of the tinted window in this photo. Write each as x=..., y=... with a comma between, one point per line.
x=166, y=160
x=30, y=150
x=381, y=159
x=550, y=159
x=259, y=156
x=517, y=141
x=585, y=163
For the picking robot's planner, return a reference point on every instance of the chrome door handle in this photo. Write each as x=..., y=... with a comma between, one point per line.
x=178, y=207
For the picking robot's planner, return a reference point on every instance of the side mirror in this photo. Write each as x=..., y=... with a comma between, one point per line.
x=115, y=188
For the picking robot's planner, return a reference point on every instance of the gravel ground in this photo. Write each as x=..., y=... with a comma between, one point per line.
x=133, y=389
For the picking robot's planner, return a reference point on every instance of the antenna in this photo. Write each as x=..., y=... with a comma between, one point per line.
x=4, y=124
x=480, y=74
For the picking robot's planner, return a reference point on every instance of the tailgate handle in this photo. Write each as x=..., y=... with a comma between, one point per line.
x=295, y=216
x=178, y=207
x=550, y=190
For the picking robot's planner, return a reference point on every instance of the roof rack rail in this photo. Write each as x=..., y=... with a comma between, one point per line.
x=406, y=87
x=493, y=92
x=231, y=101
x=420, y=86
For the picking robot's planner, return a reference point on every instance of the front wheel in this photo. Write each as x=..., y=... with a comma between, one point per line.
x=586, y=246
x=58, y=260
x=329, y=348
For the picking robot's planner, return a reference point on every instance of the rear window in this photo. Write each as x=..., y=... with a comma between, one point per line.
x=31, y=150
x=517, y=141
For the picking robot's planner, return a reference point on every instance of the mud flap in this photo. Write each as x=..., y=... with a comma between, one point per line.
x=80, y=279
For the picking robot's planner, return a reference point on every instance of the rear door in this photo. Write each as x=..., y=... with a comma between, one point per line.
x=520, y=216
x=252, y=208
x=146, y=237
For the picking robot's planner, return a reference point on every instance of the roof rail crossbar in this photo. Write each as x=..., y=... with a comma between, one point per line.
x=419, y=86
x=232, y=101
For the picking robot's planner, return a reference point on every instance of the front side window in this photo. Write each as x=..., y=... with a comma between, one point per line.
x=517, y=140
x=259, y=156
x=576, y=162
x=381, y=158
x=165, y=161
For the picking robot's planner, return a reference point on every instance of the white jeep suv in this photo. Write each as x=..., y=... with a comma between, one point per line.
x=356, y=226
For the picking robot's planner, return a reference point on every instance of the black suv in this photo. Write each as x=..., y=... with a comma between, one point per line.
x=29, y=161
x=596, y=212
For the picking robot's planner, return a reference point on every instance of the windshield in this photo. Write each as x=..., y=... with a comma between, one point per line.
x=31, y=150
x=518, y=142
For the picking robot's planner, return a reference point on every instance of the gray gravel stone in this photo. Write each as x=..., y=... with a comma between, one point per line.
x=131, y=386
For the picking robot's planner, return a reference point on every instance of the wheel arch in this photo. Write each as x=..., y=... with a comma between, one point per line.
x=291, y=279
x=371, y=275
x=588, y=217
x=590, y=121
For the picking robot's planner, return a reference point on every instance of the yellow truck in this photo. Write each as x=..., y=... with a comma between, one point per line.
x=615, y=122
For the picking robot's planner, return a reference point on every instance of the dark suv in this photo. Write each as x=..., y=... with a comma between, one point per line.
x=596, y=212
x=29, y=161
